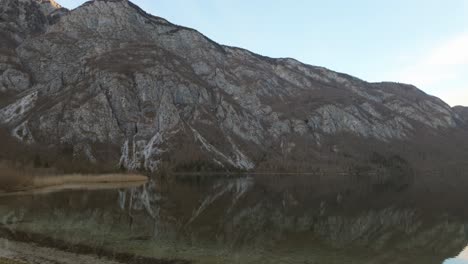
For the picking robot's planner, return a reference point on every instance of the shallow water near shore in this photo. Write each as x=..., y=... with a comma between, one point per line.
x=249, y=219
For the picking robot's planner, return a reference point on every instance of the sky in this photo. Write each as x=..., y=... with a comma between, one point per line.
x=461, y=259
x=420, y=42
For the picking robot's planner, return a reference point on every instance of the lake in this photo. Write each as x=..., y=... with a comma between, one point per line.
x=290, y=218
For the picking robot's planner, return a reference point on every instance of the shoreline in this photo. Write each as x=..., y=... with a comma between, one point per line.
x=13, y=252
x=23, y=248
x=47, y=184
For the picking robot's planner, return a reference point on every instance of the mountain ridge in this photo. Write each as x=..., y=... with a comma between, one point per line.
x=108, y=73
x=140, y=10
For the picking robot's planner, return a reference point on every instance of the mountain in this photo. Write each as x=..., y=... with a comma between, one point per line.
x=110, y=81
x=462, y=112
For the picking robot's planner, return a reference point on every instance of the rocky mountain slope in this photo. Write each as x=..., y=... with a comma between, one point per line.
x=462, y=112
x=109, y=74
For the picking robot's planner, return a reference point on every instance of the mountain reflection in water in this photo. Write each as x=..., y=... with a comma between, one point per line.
x=256, y=219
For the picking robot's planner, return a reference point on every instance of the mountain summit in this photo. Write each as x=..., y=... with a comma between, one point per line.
x=109, y=81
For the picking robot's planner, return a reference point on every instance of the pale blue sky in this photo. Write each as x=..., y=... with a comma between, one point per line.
x=461, y=259
x=456, y=261
x=423, y=42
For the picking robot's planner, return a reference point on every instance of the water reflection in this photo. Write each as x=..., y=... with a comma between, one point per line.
x=255, y=219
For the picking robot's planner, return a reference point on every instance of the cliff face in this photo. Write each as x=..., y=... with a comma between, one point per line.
x=107, y=72
x=462, y=112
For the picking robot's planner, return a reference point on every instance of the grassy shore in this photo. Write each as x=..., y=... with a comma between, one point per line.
x=23, y=179
x=47, y=181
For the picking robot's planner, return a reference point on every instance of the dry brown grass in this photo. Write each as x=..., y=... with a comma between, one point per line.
x=46, y=181
x=18, y=179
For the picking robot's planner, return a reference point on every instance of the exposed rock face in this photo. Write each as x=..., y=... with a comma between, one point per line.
x=107, y=72
x=462, y=112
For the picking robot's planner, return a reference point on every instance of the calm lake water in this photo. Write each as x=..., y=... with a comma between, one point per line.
x=252, y=219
